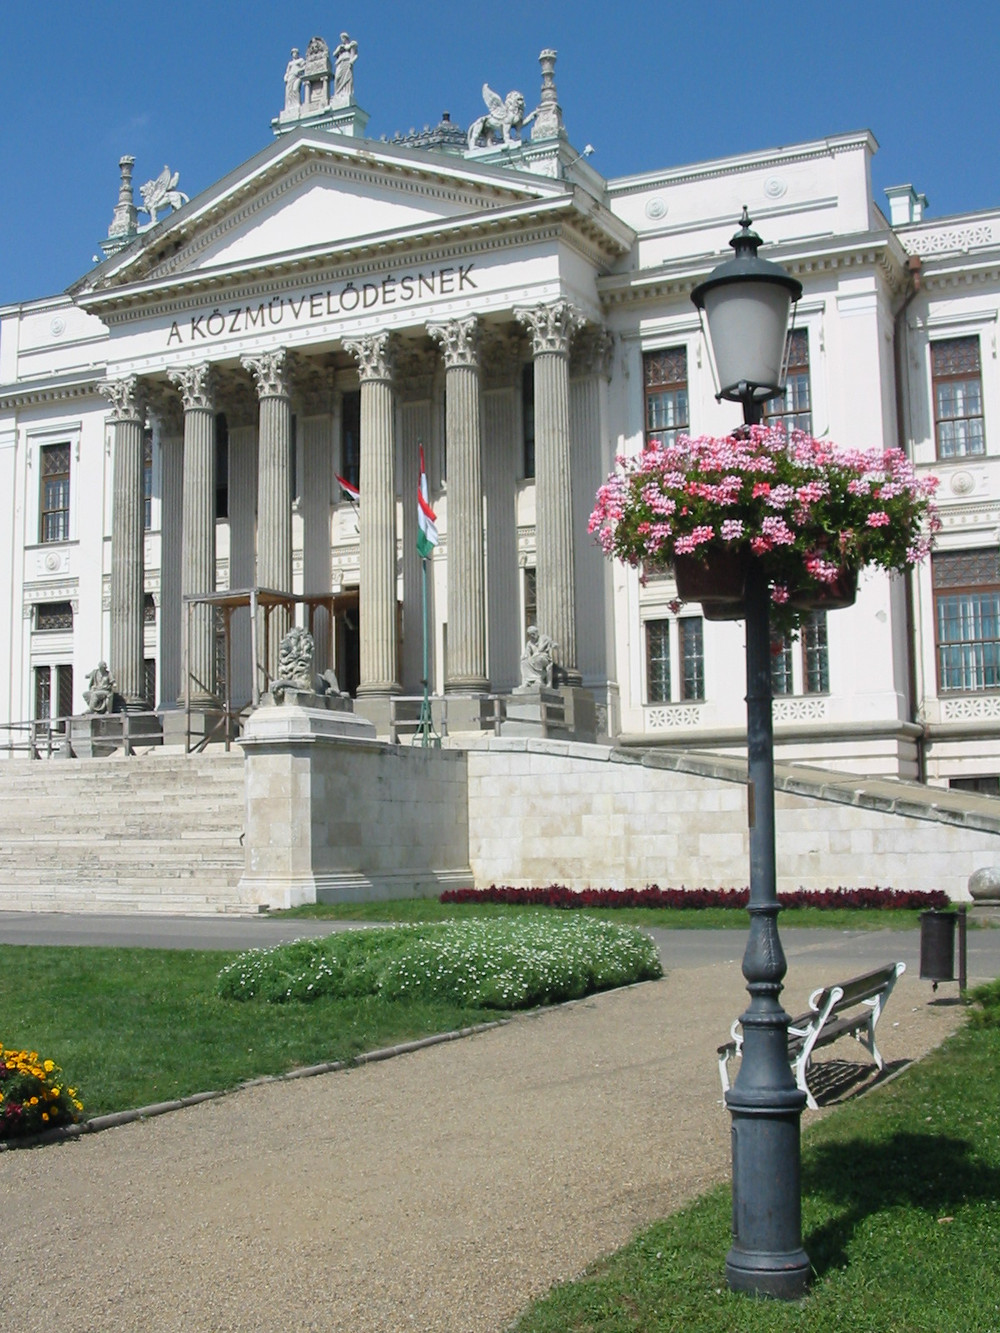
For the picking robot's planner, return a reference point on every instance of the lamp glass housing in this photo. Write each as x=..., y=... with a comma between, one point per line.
x=748, y=326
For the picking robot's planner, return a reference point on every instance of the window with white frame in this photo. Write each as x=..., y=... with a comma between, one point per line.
x=810, y=673
x=967, y=619
x=662, y=669
x=958, y=397
x=795, y=408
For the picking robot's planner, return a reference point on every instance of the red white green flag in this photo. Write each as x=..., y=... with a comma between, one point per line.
x=427, y=533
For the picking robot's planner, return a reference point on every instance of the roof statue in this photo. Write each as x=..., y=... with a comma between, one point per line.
x=502, y=116
x=294, y=71
x=161, y=193
x=343, y=71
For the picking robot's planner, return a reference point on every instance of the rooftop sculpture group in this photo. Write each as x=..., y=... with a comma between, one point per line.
x=308, y=78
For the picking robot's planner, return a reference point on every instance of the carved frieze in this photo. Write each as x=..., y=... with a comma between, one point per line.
x=271, y=373
x=375, y=355
x=127, y=397
x=459, y=339
x=551, y=326
x=197, y=386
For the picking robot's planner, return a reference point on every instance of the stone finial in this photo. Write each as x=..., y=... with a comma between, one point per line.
x=548, y=114
x=124, y=220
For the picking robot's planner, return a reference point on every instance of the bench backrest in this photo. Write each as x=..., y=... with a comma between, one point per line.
x=854, y=991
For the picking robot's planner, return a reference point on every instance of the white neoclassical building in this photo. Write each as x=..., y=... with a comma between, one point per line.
x=194, y=416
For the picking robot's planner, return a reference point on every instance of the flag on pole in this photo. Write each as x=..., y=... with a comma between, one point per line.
x=427, y=533
x=350, y=491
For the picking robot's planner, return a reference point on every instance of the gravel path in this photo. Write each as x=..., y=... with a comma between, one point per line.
x=438, y=1191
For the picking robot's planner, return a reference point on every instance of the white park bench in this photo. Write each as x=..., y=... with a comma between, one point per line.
x=847, y=1008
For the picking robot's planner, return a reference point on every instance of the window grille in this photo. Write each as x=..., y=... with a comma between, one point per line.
x=53, y=616
x=665, y=378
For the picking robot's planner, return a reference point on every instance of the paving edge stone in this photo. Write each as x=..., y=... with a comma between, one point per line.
x=98, y=1123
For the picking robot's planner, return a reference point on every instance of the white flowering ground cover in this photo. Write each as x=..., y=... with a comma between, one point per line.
x=496, y=963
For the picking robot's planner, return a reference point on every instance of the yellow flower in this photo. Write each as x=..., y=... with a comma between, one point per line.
x=33, y=1102
x=45, y=1115
x=49, y=1066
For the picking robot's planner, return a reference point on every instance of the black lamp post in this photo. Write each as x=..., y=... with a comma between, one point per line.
x=747, y=302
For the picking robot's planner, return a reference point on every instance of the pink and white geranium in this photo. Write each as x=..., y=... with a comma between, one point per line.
x=802, y=506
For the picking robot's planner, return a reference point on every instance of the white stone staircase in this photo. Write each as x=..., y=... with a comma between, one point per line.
x=160, y=832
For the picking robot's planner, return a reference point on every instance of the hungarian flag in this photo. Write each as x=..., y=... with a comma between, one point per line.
x=350, y=491
x=427, y=534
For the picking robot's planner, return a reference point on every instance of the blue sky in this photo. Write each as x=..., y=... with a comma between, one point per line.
x=194, y=83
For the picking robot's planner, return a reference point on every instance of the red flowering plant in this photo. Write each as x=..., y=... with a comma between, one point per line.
x=807, y=510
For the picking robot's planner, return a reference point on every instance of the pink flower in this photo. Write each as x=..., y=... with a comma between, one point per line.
x=779, y=594
x=878, y=519
x=731, y=529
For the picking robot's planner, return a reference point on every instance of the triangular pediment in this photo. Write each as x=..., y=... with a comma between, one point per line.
x=314, y=193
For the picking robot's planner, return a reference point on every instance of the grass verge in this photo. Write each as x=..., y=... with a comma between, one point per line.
x=901, y=1208
x=665, y=918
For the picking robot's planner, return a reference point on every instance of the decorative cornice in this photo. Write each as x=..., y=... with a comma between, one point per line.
x=49, y=393
x=551, y=326
x=947, y=240
x=459, y=339
x=127, y=397
x=374, y=355
x=196, y=385
x=271, y=372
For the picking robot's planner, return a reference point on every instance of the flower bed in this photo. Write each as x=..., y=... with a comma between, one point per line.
x=807, y=511
x=496, y=964
x=559, y=895
x=34, y=1097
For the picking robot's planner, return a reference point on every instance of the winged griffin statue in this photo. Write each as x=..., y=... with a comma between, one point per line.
x=161, y=193
x=502, y=116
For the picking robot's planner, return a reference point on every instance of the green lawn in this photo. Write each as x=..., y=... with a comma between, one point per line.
x=901, y=1213
x=666, y=918
x=135, y=1026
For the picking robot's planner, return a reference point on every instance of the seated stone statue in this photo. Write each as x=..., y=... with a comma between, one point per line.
x=100, y=695
x=537, y=660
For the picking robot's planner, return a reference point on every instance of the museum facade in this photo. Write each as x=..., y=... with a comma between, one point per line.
x=232, y=405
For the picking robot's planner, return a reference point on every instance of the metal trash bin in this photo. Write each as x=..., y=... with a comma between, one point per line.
x=937, y=946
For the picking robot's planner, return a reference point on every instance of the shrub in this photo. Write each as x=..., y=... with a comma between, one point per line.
x=495, y=964
x=33, y=1095
x=559, y=895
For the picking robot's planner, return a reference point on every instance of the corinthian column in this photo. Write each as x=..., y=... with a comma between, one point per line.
x=198, y=523
x=377, y=590
x=128, y=507
x=271, y=373
x=551, y=328
x=466, y=604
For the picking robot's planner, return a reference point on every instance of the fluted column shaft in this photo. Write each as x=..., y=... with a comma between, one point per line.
x=198, y=559
x=466, y=600
x=552, y=327
x=128, y=508
x=377, y=583
x=274, y=486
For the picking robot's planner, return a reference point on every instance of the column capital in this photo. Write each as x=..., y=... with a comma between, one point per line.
x=459, y=339
x=197, y=386
x=271, y=372
x=592, y=351
x=551, y=326
x=375, y=354
x=127, y=397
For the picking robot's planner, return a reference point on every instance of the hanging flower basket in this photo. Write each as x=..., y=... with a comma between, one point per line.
x=811, y=514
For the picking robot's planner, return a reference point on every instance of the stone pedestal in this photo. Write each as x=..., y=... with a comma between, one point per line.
x=97, y=735
x=567, y=713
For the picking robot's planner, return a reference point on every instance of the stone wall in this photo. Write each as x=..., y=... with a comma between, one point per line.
x=587, y=816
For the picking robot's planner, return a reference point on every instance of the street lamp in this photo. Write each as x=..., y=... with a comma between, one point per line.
x=747, y=302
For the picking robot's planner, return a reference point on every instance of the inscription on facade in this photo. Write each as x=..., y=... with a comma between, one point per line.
x=325, y=304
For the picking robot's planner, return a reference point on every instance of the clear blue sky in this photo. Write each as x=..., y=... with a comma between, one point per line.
x=194, y=83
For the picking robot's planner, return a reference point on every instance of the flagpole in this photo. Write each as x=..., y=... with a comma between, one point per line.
x=425, y=723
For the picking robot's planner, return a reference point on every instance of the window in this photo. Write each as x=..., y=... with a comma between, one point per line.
x=221, y=466
x=149, y=680
x=54, y=525
x=43, y=693
x=692, y=657
x=530, y=599
x=666, y=389
x=958, y=397
x=350, y=437
x=53, y=616
x=64, y=690
x=147, y=480
x=815, y=659
x=657, y=661
x=987, y=784
x=795, y=408
x=528, y=419
x=967, y=619
x=148, y=609
x=690, y=660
